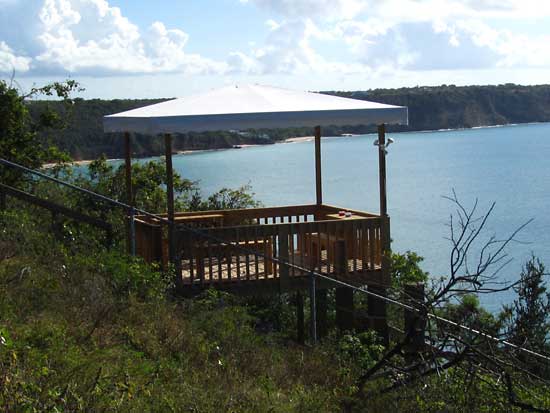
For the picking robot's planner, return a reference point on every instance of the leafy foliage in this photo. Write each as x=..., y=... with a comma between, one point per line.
x=405, y=268
x=527, y=320
x=469, y=312
x=148, y=182
x=22, y=137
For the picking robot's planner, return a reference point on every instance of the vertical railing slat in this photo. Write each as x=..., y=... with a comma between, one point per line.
x=354, y=239
x=372, y=244
x=283, y=256
x=209, y=247
x=256, y=258
x=238, y=253
x=221, y=256
x=229, y=259
x=247, y=254
x=191, y=261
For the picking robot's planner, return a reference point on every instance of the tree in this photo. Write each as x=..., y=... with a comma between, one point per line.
x=20, y=141
x=462, y=343
x=527, y=320
x=405, y=268
x=149, y=183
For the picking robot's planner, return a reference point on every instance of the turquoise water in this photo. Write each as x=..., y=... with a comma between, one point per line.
x=508, y=165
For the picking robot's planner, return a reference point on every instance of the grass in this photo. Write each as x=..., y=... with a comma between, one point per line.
x=84, y=329
x=95, y=331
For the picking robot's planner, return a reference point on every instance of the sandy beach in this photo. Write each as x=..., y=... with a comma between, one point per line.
x=77, y=163
x=299, y=139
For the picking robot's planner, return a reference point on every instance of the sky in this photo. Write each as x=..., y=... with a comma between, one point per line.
x=170, y=48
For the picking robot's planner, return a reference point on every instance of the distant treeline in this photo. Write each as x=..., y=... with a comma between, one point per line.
x=430, y=108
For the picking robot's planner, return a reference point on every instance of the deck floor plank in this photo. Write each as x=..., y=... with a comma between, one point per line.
x=221, y=271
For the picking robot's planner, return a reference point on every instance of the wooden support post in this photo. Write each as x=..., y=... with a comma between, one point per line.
x=322, y=310
x=415, y=323
x=377, y=313
x=385, y=247
x=343, y=295
x=2, y=200
x=3, y=203
x=345, y=317
x=341, y=265
x=312, y=309
x=376, y=307
x=318, y=180
x=300, y=336
x=128, y=169
x=54, y=227
x=109, y=238
x=130, y=233
x=382, y=168
x=132, y=224
x=177, y=241
x=170, y=197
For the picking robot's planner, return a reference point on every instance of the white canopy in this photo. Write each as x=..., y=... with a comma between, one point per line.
x=252, y=107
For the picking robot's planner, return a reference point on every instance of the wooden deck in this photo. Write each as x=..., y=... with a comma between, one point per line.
x=270, y=248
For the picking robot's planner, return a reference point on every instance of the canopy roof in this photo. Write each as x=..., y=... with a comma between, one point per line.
x=252, y=107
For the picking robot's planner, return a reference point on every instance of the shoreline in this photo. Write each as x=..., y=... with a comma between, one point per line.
x=187, y=151
x=296, y=139
x=72, y=163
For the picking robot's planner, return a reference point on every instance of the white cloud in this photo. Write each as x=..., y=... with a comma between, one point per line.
x=92, y=37
x=9, y=61
x=367, y=38
x=419, y=46
x=400, y=34
x=288, y=50
x=406, y=10
x=328, y=9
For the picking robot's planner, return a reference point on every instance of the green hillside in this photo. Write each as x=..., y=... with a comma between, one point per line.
x=430, y=108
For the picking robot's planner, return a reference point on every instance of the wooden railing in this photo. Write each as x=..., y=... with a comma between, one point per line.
x=55, y=208
x=245, y=252
x=233, y=246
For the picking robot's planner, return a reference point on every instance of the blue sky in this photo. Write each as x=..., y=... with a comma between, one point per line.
x=139, y=48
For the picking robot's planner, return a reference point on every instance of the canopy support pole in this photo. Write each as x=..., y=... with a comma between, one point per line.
x=377, y=307
x=318, y=183
x=382, y=168
x=130, y=227
x=169, y=195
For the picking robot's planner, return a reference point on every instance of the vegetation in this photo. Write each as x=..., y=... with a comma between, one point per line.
x=22, y=139
x=452, y=107
x=85, y=327
x=430, y=108
x=91, y=330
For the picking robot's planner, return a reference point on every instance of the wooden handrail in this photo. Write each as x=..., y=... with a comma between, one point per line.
x=232, y=215
x=52, y=206
x=333, y=208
